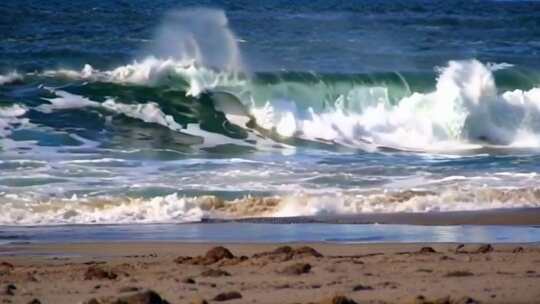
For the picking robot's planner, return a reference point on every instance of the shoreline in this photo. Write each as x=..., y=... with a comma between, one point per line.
x=492, y=226
x=510, y=217
x=271, y=273
x=253, y=233
x=487, y=217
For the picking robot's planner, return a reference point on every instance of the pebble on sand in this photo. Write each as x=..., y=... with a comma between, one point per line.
x=6, y=265
x=99, y=273
x=427, y=250
x=337, y=300
x=214, y=273
x=518, y=250
x=459, y=273
x=128, y=289
x=285, y=253
x=296, y=269
x=444, y=300
x=143, y=297
x=188, y=281
x=484, y=248
x=360, y=287
x=212, y=256
x=10, y=290
x=217, y=254
x=226, y=296
x=6, y=268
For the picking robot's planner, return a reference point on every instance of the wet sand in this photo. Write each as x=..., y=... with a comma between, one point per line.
x=258, y=273
x=514, y=216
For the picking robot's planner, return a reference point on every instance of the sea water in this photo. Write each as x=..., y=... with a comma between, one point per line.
x=176, y=111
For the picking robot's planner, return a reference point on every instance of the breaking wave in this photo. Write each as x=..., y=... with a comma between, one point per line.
x=10, y=78
x=195, y=78
x=177, y=209
x=9, y=116
x=464, y=111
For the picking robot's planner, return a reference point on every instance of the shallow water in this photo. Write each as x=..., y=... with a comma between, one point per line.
x=139, y=112
x=267, y=233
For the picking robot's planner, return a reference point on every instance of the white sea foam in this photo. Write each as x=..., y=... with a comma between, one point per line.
x=9, y=116
x=464, y=112
x=450, y=199
x=64, y=101
x=149, y=112
x=21, y=210
x=12, y=111
x=10, y=78
x=166, y=209
x=154, y=71
x=93, y=161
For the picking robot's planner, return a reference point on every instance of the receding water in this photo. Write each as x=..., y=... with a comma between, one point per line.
x=261, y=233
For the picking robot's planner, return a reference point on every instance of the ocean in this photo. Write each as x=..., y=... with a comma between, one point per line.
x=166, y=112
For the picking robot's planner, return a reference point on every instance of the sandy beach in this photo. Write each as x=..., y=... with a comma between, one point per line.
x=125, y=272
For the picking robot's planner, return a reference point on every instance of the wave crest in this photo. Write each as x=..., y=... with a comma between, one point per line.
x=10, y=78
x=465, y=111
x=9, y=116
x=175, y=209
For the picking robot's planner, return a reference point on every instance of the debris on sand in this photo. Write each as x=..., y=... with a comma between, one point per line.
x=214, y=273
x=296, y=269
x=99, y=273
x=212, y=256
x=425, y=250
x=286, y=253
x=484, y=248
x=337, y=300
x=459, y=273
x=444, y=300
x=226, y=296
x=360, y=287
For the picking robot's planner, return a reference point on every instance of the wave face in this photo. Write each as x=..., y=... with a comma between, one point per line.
x=189, y=130
x=464, y=110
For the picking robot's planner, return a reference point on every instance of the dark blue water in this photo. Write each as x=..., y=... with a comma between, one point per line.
x=329, y=36
x=172, y=111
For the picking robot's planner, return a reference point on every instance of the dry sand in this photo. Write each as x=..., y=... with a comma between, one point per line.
x=184, y=273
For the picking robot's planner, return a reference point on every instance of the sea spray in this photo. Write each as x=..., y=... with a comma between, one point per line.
x=200, y=36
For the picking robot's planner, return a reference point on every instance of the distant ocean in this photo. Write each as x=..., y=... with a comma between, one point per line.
x=139, y=111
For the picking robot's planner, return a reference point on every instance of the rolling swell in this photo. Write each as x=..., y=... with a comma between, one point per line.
x=193, y=89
